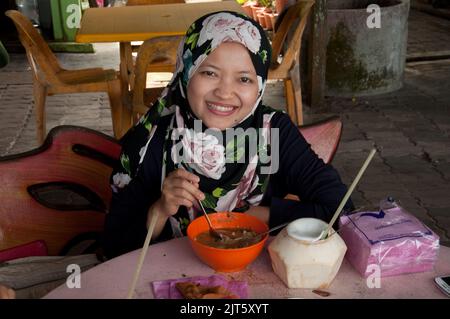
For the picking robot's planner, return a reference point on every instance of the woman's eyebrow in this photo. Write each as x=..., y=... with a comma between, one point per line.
x=209, y=65
x=247, y=72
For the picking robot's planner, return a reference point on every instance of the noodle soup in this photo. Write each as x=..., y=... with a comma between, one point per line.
x=231, y=238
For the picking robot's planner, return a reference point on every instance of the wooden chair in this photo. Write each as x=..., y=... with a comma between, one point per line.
x=151, y=50
x=58, y=193
x=50, y=78
x=287, y=70
x=163, y=64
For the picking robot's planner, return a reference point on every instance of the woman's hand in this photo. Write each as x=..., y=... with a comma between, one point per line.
x=7, y=293
x=180, y=188
x=260, y=212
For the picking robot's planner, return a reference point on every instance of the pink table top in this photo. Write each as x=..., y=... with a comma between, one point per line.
x=175, y=259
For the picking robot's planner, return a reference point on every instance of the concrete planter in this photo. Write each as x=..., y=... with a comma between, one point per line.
x=364, y=61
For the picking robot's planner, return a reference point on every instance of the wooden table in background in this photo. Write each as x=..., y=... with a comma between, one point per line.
x=139, y=23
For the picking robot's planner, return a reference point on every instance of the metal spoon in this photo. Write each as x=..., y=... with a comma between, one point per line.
x=258, y=236
x=214, y=233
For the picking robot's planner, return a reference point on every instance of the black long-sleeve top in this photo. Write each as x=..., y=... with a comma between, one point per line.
x=300, y=172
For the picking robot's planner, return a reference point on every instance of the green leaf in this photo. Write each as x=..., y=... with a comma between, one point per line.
x=210, y=201
x=192, y=40
x=184, y=222
x=263, y=55
x=148, y=126
x=208, y=50
x=232, y=145
x=191, y=28
x=218, y=192
x=265, y=184
x=144, y=118
x=161, y=105
x=239, y=153
x=125, y=161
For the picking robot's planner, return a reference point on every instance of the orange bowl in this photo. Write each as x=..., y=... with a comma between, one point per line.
x=226, y=260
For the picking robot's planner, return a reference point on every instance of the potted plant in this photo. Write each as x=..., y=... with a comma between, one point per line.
x=269, y=14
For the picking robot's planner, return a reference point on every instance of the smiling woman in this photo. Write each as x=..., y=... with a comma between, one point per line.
x=208, y=118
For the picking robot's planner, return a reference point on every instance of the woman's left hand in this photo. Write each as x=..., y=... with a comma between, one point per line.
x=7, y=293
x=260, y=212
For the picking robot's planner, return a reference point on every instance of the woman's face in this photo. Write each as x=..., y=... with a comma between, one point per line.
x=224, y=89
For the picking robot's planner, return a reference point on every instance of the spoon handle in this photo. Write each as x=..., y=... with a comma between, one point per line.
x=273, y=228
x=189, y=169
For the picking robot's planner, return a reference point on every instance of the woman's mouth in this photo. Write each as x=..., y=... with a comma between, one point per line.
x=221, y=109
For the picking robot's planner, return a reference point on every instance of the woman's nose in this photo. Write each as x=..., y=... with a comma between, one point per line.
x=224, y=89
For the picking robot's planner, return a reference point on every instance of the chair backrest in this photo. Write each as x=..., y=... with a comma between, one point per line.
x=58, y=192
x=151, y=50
x=40, y=56
x=34, y=248
x=324, y=137
x=294, y=19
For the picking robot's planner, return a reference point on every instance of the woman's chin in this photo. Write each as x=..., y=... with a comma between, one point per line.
x=218, y=124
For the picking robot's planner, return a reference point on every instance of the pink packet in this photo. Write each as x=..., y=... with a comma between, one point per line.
x=391, y=239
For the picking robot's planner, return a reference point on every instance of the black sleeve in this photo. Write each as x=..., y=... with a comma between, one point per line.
x=301, y=173
x=125, y=224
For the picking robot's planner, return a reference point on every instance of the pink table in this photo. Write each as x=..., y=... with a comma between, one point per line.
x=174, y=258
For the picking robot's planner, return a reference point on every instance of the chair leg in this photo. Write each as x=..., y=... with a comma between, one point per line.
x=115, y=102
x=40, y=94
x=297, y=91
x=290, y=102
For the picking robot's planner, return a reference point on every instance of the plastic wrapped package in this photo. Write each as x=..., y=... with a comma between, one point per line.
x=166, y=289
x=391, y=239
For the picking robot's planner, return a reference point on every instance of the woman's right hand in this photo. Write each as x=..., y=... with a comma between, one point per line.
x=180, y=188
x=7, y=293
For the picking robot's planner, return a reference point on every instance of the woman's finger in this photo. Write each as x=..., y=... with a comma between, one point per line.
x=186, y=175
x=184, y=184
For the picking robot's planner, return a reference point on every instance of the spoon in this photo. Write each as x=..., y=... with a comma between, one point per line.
x=272, y=229
x=324, y=234
x=261, y=235
x=214, y=233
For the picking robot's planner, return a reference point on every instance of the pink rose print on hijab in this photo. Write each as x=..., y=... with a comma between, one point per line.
x=202, y=152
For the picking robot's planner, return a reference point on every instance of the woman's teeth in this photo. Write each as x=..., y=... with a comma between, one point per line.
x=220, y=108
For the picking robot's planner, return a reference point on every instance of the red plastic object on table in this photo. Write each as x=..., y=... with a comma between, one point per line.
x=34, y=248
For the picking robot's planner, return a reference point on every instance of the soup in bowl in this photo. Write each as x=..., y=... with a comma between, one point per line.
x=240, y=243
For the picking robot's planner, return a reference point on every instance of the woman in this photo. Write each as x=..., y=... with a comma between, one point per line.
x=181, y=151
x=7, y=293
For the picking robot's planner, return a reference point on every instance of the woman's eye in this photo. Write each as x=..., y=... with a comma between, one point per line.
x=245, y=79
x=209, y=73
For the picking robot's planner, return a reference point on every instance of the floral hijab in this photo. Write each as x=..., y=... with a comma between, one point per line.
x=230, y=174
